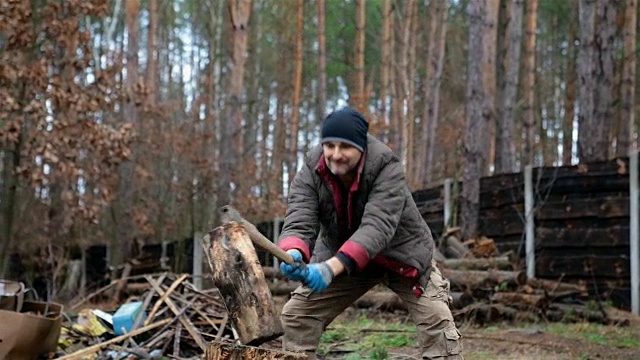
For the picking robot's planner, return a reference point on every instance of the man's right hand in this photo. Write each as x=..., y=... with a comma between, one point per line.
x=293, y=272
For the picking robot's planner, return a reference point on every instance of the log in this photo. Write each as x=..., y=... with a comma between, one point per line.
x=474, y=279
x=455, y=248
x=283, y=287
x=502, y=263
x=519, y=300
x=218, y=350
x=237, y=273
x=553, y=287
x=389, y=301
x=577, y=313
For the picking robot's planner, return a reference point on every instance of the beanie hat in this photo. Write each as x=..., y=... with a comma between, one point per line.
x=347, y=126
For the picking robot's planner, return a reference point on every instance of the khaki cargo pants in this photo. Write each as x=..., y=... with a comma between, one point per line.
x=306, y=315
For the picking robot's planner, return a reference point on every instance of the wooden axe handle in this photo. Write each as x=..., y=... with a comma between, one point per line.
x=228, y=214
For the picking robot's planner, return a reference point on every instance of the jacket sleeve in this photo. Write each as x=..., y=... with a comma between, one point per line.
x=301, y=225
x=381, y=214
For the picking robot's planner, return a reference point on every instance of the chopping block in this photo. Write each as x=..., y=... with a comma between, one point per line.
x=237, y=273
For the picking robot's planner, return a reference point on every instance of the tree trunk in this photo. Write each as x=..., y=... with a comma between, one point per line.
x=152, y=48
x=528, y=82
x=587, y=136
x=508, y=90
x=570, y=93
x=480, y=110
x=404, y=87
x=604, y=96
x=432, y=78
x=385, y=68
x=231, y=146
x=297, y=89
x=627, y=118
x=126, y=232
x=358, y=97
x=322, y=62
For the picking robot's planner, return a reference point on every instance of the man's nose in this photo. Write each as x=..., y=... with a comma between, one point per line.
x=337, y=153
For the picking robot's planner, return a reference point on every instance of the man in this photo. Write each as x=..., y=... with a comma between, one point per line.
x=352, y=218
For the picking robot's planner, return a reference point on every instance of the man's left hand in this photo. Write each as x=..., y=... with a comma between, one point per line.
x=318, y=276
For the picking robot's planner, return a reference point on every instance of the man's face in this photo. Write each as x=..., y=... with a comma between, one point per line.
x=340, y=157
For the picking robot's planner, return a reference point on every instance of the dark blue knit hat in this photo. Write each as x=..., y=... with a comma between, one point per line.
x=346, y=125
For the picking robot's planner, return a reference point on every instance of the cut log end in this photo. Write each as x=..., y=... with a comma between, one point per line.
x=218, y=350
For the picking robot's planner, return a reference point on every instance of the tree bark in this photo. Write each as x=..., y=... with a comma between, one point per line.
x=508, y=90
x=385, y=69
x=432, y=79
x=605, y=98
x=571, y=91
x=322, y=62
x=297, y=90
x=626, y=128
x=231, y=146
x=588, y=136
x=479, y=107
x=359, y=96
x=528, y=82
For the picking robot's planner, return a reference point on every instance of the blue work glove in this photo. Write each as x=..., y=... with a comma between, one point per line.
x=317, y=276
x=293, y=272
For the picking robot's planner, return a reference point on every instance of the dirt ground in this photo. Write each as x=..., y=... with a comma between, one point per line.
x=504, y=342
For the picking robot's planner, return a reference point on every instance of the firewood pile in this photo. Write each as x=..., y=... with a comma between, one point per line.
x=495, y=288
x=178, y=321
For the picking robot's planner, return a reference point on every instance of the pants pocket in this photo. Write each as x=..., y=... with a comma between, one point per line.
x=302, y=291
x=452, y=335
x=438, y=286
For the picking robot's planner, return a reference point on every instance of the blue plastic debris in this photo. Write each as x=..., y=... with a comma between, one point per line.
x=125, y=317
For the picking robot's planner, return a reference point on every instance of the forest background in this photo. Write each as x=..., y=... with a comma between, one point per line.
x=126, y=122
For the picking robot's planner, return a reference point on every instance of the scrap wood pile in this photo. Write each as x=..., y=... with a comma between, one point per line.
x=175, y=319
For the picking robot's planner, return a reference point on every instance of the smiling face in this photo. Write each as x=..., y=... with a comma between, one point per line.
x=341, y=158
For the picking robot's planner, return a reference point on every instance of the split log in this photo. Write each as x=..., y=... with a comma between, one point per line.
x=218, y=350
x=502, y=263
x=237, y=273
x=519, y=300
x=475, y=279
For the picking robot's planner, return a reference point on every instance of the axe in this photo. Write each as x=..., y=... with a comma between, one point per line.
x=228, y=214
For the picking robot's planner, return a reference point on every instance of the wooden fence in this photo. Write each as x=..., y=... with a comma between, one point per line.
x=581, y=222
